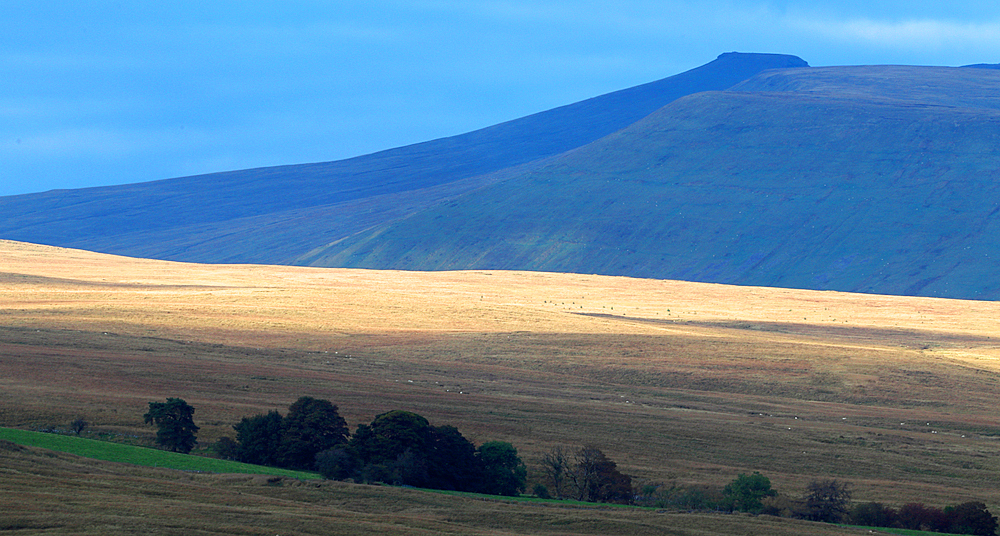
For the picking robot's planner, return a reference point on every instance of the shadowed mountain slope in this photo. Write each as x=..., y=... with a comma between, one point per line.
x=274, y=215
x=868, y=179
x=881, y=179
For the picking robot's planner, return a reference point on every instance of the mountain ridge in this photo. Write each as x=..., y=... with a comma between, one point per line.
x=878, y=179
x=99, y=218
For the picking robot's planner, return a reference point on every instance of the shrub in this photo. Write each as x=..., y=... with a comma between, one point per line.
x=226, y=449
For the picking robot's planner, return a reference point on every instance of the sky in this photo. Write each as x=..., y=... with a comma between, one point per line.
x=101, y=93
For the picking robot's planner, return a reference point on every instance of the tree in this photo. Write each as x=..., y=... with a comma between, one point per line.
x=917, y=516
x=597, y=478
x=451, y=459
x=746, y=492
x=336, y=463
x=311, y=426
x=403, y=448
x=827, y=501
x=556, y=466
x=503, y=471
x=389, y=436
x=78, y=426
x=971, y=518
x=873, y=514
x=259, y=438
x=175, y=419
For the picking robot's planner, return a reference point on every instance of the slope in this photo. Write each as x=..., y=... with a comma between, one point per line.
x=863, y=179
x=274, y=215
x=680, y=383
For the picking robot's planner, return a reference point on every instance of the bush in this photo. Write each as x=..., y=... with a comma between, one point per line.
x=226, y=449
x=782, y=506
x=690, y=498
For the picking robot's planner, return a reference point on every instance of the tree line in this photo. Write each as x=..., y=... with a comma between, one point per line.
x=827, y=501
x=397, y=447
x=403, y=448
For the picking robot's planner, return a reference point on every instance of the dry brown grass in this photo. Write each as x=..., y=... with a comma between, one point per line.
x=677, y=381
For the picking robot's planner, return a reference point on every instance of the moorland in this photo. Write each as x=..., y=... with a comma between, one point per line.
x=680, y=383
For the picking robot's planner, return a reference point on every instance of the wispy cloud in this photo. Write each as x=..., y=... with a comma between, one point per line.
x=923, y=34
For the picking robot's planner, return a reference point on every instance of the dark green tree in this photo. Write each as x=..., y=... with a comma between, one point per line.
x=175, y=419
x=336, y=463
x=873, y=514
x=259, y=439
x=827, y=501
x=401, y=447
x=971, y=518
x=389, y=436
x=393, y=448
x=311, y=426
x=451, y=460
x=747, y=492
x=503, y=471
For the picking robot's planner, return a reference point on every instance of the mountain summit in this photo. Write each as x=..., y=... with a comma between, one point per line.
x=752, y=169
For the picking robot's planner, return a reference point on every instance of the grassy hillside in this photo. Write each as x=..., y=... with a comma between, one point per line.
x=680, y=383
x=277, y=215
x=806, y=178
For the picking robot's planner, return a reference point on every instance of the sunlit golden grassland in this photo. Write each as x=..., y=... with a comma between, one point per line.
x=677, y=382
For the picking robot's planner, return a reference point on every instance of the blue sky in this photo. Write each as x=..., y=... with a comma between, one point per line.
x=97, y=93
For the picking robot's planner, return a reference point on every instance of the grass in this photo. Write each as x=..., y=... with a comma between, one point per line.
x=679, y=383
x=52, y=493
x=116, y=452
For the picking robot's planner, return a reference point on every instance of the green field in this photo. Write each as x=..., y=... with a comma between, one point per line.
x=116, y=452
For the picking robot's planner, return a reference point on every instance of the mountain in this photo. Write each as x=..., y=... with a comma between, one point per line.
x=752, y=169
x=863, y=179
x=276, y=215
